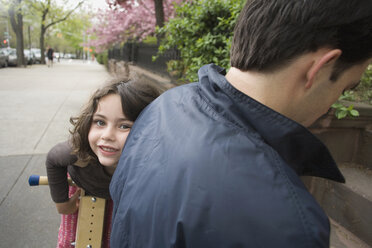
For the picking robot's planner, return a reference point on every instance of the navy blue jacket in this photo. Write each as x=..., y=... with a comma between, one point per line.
x=207, y=166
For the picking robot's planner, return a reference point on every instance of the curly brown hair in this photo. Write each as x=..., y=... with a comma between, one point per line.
x=135, y=95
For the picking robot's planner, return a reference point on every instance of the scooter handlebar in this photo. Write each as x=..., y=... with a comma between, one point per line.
x=36, y=180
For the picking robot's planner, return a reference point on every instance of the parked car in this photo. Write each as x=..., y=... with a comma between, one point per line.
x=69, y=56
x=57, y=56
x=29, y=56
x=6, y=50
x=12, y=57
x=37, y=54
x=3, y=59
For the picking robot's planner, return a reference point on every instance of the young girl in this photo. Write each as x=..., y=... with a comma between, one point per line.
x=93, y=151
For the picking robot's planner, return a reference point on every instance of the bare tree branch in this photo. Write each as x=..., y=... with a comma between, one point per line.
x=65, y=17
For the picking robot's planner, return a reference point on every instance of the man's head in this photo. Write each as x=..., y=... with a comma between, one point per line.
x=271, y=33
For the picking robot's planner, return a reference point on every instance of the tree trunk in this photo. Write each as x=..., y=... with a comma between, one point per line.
x=78, y=53
x=159, y=15
x=16, y=20
x=42, y=45
x=43, y=29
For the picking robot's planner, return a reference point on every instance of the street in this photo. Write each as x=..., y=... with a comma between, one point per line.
x=36, y=104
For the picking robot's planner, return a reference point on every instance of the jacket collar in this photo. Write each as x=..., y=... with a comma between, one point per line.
x=302, y=150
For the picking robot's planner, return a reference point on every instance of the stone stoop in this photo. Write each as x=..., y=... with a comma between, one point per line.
x=342, y=238
x=349, y=205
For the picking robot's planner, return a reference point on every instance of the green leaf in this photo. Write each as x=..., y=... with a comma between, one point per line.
x=354, y=113
x=337, y=105
x=341, y=114
x=350, y=107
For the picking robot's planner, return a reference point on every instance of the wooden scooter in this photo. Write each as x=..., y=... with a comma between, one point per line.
x=90, y=218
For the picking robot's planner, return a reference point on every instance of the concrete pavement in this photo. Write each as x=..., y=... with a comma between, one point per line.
x=36, y=104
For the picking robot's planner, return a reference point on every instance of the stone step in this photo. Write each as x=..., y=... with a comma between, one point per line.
x=349, y=204
x=342, y=238
x=358, y=179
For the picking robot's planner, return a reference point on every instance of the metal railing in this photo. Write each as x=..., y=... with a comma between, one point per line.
x=141, y=54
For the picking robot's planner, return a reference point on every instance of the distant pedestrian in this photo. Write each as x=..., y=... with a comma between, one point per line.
x=50, y=54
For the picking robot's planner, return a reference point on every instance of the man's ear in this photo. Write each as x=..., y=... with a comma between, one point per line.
x=323, y=60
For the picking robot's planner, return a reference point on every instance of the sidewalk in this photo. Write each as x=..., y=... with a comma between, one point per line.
x=37, y=103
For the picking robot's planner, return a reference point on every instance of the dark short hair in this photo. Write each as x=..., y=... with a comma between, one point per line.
x=270, y=34
x=135, y=95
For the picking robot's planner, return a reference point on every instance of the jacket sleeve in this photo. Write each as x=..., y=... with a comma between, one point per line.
x=58, y=159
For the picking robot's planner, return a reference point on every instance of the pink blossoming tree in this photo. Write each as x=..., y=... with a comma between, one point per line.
x=127, y=20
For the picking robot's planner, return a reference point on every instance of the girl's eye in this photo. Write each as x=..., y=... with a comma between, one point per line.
x=124, y=126
x=99, y=123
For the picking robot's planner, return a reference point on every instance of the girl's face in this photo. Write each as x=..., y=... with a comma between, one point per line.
x=109, y=131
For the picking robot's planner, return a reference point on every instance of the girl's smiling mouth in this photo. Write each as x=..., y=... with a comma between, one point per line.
x=108, y=150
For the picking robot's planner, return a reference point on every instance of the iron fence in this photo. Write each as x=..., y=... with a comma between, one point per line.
x=141, y=54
